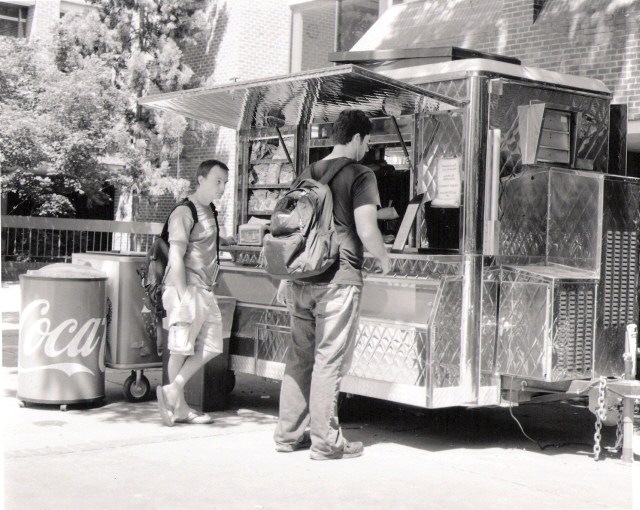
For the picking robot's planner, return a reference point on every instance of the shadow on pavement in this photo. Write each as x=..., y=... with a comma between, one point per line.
x=563, y=427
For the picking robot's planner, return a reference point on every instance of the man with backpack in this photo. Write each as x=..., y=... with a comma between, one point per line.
x=193, y=317
x=325, y=308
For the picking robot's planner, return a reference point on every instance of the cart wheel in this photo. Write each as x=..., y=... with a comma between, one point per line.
x=229, y=381
x=22, y=403
x=63, y=408
x=136, y=392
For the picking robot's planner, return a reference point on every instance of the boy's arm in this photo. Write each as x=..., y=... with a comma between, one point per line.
x=180, y=225
x=178, y=273
x=369, y=234
x=225, y=240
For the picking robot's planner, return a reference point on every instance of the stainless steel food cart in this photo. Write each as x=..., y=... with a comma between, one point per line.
x=514, y=268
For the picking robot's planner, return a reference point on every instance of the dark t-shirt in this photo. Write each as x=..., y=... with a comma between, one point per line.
x=353, y=186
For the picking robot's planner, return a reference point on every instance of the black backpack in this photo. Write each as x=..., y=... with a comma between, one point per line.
x=152, y=275
x=302, y=241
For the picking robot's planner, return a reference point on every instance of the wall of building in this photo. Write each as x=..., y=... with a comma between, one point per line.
x=246, y=40
x=43, y=19
x=598, y=38
x=318, y=36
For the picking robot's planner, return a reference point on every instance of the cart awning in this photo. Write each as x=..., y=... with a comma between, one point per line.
x=300, y=98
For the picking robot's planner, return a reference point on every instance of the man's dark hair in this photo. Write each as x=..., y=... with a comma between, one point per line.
x=350, y=123
x=206, y=166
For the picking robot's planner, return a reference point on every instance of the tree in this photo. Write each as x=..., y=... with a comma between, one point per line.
x=62, y=115
x=142, y=41
x=56, y=127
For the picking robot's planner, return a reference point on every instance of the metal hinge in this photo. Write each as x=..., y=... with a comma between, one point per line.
x=495, y=86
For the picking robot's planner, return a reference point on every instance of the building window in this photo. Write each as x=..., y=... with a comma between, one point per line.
x=13, y=20
x=320, y=27
x=355, y=17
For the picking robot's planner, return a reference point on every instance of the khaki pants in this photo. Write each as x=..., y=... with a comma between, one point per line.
x=324, y=323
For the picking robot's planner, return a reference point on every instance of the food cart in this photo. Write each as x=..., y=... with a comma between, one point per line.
x=515, y=254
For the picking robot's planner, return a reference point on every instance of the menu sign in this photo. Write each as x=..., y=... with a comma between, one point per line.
x=448, y=183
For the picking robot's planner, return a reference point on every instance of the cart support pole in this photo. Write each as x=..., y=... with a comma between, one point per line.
x=284, y=146
x=471, y=242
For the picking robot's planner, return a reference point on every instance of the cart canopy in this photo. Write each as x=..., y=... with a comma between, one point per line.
x=300, y=98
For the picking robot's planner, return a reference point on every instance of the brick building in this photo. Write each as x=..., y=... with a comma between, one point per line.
x=250, y=39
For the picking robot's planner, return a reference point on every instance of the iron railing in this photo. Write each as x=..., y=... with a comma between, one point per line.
x=35, y=239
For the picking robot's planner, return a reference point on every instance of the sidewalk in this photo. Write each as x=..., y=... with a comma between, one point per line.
x=119, y=456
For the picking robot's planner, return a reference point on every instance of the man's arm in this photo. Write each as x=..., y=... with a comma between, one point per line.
x=178, y=273
x=369, y=233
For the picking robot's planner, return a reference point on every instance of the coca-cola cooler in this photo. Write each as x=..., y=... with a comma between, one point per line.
x=63, y=328
x=131, y=329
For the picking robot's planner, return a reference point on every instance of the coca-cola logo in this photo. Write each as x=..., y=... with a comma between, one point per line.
x=38, y=336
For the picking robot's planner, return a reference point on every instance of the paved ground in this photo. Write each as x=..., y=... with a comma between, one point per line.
x=119, y=456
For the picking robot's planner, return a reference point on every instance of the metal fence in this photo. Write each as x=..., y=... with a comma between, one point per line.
x=34, y=239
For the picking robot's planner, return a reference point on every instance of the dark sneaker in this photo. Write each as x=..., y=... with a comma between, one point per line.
x=303, y=444
x=350, y=450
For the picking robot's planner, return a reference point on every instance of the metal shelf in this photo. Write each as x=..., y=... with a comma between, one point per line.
x=269, y=186
x=268, y=161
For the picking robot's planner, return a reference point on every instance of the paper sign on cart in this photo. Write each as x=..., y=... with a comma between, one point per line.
x=448, y=183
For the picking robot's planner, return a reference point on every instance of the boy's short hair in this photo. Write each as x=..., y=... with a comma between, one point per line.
x=206, y=166
x=349, y=123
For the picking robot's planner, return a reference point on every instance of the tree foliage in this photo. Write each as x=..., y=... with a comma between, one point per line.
x=142, y=41
x=56, y=127
x=68, y=108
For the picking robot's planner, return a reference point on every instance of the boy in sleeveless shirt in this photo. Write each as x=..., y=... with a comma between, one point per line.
x=193, y=317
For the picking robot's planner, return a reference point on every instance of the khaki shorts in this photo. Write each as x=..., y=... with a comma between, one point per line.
x=194, y=322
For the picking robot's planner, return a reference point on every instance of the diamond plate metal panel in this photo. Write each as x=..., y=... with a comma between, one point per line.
x=488, y=326
x=247, y=258
x=552, y=214
x=389, y=352
x=273, y=334
x=442, y=137
x=419, y=268
x=523, y=214
x=455, y=89
x=446, y=336
x=574, y=219
x=523, y=329
x=592, y=131
x=245, y=319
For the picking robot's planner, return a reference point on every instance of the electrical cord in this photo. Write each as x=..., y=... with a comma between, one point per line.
x=549, y=445
x=545, y=446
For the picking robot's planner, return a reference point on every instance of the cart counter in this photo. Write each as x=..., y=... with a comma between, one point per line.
x=408, y=342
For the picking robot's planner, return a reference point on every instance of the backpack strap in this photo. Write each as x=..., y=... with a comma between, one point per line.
x=215, y=217
x=194, y=215
x=326, y=177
